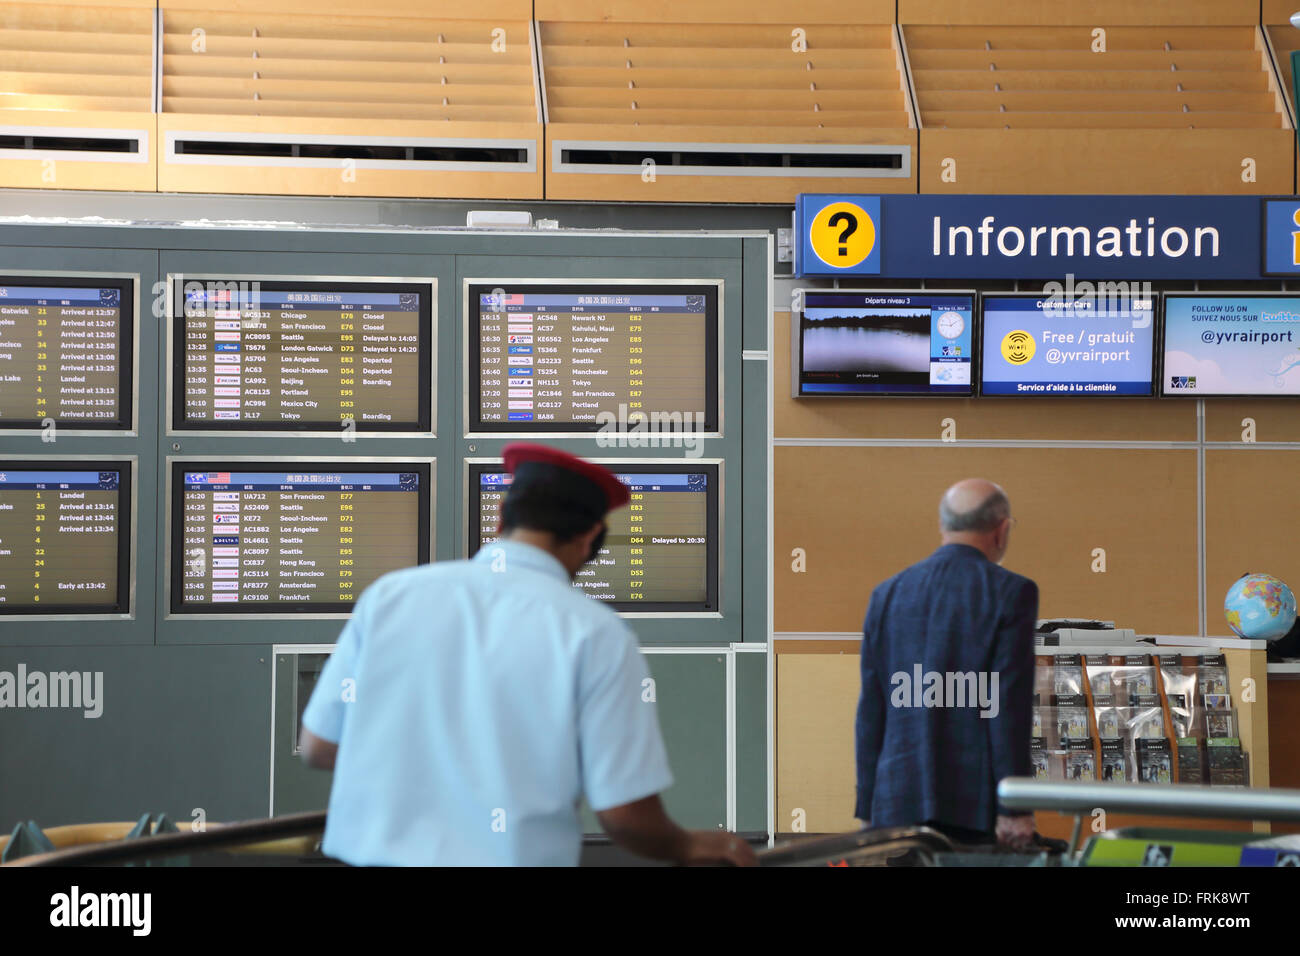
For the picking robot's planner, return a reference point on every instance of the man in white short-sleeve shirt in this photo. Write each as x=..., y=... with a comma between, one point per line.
x=468, y=705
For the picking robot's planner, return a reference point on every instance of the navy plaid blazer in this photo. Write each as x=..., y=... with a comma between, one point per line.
x=933, y=633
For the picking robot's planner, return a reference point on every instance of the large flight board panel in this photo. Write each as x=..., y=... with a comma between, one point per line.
x=292, y=537
x=66, y=352
x=583, y=358
x=284, y=355
x=660, y=554
x=65, y=536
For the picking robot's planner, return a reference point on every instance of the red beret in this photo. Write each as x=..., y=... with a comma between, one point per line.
x=518, y=453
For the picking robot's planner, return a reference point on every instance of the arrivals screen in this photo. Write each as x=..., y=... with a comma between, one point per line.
x=259, y=538
x=256, y=355
x=65, y=537
x=576, y=358
x=66, y=352
x=886, y=343
x=661, y=550
x=1085, y=346
x=1231, y=345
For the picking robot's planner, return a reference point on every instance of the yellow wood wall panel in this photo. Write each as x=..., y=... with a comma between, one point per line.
x=1273, y=419
x=134, y=175
x=1092, y=12
x=435, y=9
x=1067, y=101
x=70, y=174
x=1276, y=11
x=1119, y=39
x=1247, y=667
x=708, y=189
x=777, y=77
x=1085, y=81
x=1190, y=162
x=717, y=11
x=79, y=17
x=816, y=701
x=953, y=119
x=1221, y=61
x=297, y=181
x=796, y=127
x=125, y=4
x=862, y=514
x=1251, y=522
x=575, y=56
x=1136, y=419
x=716, y=43
x=1285, y=39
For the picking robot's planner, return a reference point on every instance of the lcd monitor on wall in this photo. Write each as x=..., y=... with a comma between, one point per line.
x=1231, y=345
x=579, y=357
x=276, y=537
x=298, y=355
x=65, y=537
x=67, y=352
x=1066, y=346
x=661, y=553
x=859, y=342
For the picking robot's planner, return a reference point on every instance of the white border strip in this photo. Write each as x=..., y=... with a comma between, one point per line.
x=978, y=443
x=732, y=796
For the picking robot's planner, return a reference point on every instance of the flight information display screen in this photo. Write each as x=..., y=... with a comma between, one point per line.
x=65, y=537
x=582, y=358
x=301, y=356
x=886, y=343
x=259, y=538
x=66, y=351
x=661, y=551
x=1233, y=345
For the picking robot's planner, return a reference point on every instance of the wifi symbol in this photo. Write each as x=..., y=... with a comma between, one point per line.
x=1018, y=347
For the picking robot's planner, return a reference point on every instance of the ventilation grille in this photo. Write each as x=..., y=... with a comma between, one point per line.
x=77, y=58
x=54, y=142
x=731, y=159
x=252, y=149
x=347, y=67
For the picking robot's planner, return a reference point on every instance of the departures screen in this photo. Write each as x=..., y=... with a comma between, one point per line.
x=65, y=537
x=661, y=551
x=287, y=538
x=885, y=343
x=584, y=358
x=66, y=352
x=262, y=355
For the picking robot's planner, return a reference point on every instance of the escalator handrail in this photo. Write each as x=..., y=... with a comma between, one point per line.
x=1155, y=799
x=214, y=837
x=924, y=839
